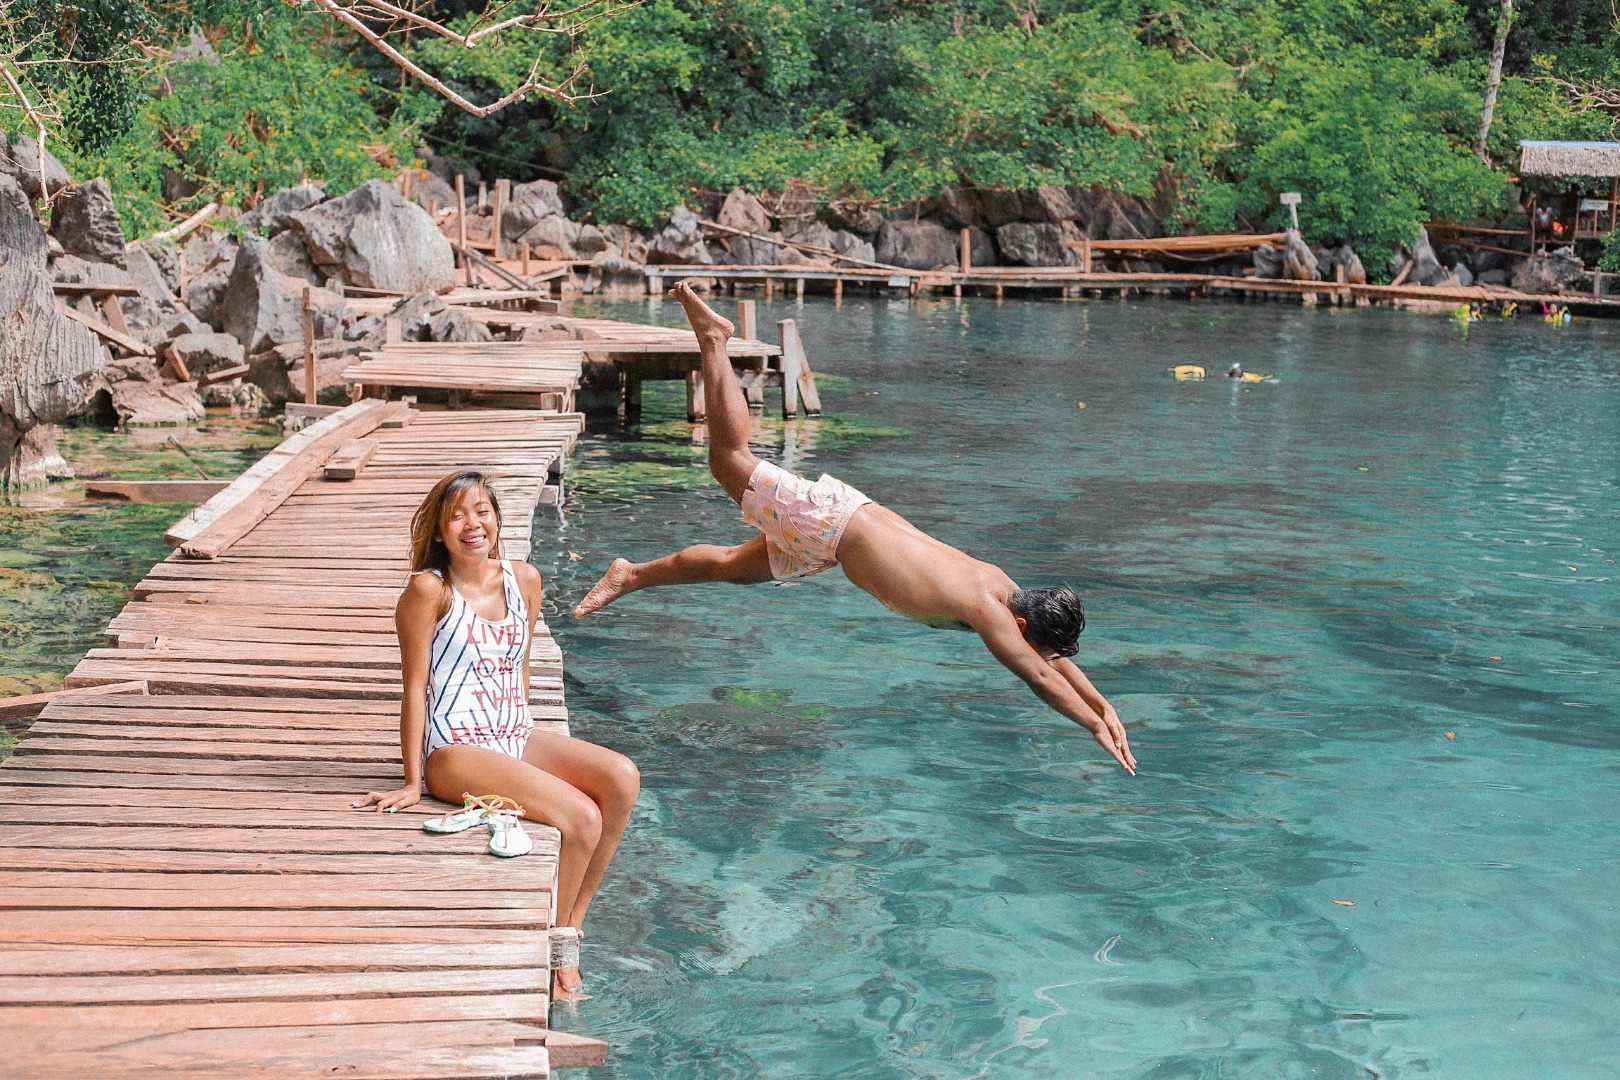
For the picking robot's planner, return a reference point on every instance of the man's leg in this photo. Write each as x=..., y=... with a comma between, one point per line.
x=730, y=460
x=745, y=564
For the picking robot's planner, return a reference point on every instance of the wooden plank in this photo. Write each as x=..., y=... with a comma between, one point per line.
x=27, y=706
x=219, y=375
x=154, y=491
x=348, y=461
x=788, y=334
x=126, y=342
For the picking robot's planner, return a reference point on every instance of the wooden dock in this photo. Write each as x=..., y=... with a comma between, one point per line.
x=546, y=372
x=186, y=888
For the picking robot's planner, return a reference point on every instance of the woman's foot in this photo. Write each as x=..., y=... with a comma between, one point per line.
x=614, y=584
x=566, y=985
x=705, y=323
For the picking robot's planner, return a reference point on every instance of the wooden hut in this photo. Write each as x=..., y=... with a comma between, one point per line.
x=1594, y=218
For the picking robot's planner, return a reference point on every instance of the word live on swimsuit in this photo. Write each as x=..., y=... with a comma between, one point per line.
x=475, y=682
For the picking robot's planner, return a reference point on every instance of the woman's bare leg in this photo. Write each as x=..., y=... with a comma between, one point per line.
x=548, y=799
x=746, y=564
x=730, y=460
x=612, y=782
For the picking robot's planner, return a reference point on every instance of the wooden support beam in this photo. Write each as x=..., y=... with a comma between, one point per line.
x=225, y=374
x=965, y=252
x=113, y=312
x=461, y=224
x=1085, y=256
x=501, y=187
x=308, y=319
x=798, y=288
x=838, y=292
x=791, y=358
x=805, y=378
x=176, y=366
x=129, y=344
x=154, y=491
x=746, y=326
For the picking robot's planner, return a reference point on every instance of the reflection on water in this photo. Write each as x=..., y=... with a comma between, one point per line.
x=864, y=851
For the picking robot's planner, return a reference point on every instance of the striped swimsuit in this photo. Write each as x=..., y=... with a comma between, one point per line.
x=475, y=680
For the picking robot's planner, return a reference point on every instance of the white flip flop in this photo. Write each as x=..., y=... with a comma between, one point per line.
x=507, y=838
x=472, y=812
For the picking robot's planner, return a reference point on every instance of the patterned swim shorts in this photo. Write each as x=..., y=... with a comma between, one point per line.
x=802, y=521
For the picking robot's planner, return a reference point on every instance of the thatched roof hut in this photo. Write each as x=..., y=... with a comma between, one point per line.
x=1569, y=158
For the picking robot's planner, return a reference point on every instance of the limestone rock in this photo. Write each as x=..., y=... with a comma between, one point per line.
x=276, y=213
x=1549, y=272
x=372, y=237
x=863, y=221
x=431, y=193
x=807, y=230
x=85, y=222
x=959, y=205
x=1426, y=269
x=529, y=203
x=19, y=157
x=614, y=269
x=206, y=352
x=981, y=249
x=1001, y=207
x=1464, y=276
x=680, y=240
x=1025, y=244
x=264, y=307
x=551, y=237
x=744, y=211
x=1345, y=256
x=1268, y=261
x=142, y=398
x=36, y=461
x=590, y=240
x=1298, y=260
x=853, y=245
x=916, y=245
x=48, y=363
x=1497, y=276
x=288, y=254
x=1049, y=204
x=454, y=324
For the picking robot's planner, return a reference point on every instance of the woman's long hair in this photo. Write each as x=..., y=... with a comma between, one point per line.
x=427, y=550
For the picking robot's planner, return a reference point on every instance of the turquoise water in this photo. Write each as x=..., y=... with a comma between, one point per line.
x=866, y=851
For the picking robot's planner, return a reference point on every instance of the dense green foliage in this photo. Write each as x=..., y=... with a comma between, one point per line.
x=1368, y=107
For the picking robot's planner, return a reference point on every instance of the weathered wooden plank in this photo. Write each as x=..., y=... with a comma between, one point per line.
x=154, y=491
x=28, y=705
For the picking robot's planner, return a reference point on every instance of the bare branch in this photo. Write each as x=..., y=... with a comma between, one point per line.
x=361, y=15
x=1588, y=95
x=32, y=113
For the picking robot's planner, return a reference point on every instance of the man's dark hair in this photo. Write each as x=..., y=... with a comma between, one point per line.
x=1052, y=616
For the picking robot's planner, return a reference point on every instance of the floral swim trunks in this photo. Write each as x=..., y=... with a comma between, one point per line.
x=802, y=521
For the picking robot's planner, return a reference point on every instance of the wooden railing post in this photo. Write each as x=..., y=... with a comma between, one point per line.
x=309, y=349
x=746, y=328
x=966, y=252
x=461, y=226
x=500, y=206
x=788, y=335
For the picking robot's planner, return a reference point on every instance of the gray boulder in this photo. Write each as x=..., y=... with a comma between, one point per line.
x=529, y=203
x=981, y=249
x=1001, y=206
x=1049, y=204
x=743, y=211
x=807, y=230
x=626, y=242
x=20, y=158
x=614, y=269
x=864, y=221
x=374, y=238
x=959, y=205
x=1268, y=261
x=1464, y=276
x=85, y=222
x=1026, y=244
x=454, y=324
x=679, y=240
x=551, y=237
x=1549, y=272
x=288, y=254
x=1123, y=217
x=264, y=307
x=1426, y=268
x=1299, y=261
x=431, y=193
x=1497, y=276
x=853, y=245
x=590, y=241
x=1329, y=260
x=36, y=461
x=48, y=363
x=207, y=352
x=916, y=245
x=277, y=212
x=142, y=397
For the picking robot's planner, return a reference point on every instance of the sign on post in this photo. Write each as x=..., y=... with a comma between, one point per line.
x=1290, y=199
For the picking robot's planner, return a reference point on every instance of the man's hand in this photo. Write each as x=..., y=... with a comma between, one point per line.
x=398, y=799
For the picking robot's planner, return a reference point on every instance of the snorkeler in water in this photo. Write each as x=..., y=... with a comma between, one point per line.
x=806, y=527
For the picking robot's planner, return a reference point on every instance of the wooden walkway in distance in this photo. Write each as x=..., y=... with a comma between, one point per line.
x=548, y=371
x=184, y=885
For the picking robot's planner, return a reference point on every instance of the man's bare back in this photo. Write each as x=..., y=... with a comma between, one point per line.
x=908, y=571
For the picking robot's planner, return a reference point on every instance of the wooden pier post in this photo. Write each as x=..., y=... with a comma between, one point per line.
x=1085, y=255
x=791, y=358
x=965, y=253
x=838, y=292
x=1001, y=292
x=746, y=327
x=525, y=260
x=631, y=406
x=483, y=196
x=798, y=289
x=461, y=226
x=309, y=349
x=500, y=206
x=770, y=287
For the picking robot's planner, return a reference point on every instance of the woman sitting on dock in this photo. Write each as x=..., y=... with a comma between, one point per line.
x=465, y=623
x=806, y=527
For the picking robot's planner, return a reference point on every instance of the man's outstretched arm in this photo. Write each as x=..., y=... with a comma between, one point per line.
x=1092, y=696
x=1001, y=636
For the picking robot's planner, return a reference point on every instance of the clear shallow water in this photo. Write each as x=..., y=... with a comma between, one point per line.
x=865, y=851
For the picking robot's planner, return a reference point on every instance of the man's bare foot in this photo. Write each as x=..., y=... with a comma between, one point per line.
x=705, y=323
x=566, y=985
x=613, y=585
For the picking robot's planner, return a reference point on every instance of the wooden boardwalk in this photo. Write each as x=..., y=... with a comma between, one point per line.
x=547, y=371
x=186, y=888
